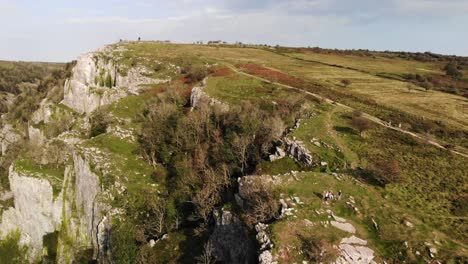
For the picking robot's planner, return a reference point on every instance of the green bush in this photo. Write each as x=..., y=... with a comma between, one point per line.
x=109, y=80
x=451, y=69
x=197, y=73
x=123, y=243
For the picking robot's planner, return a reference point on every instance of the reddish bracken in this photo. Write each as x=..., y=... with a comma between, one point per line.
x=270, y=74
x=221, y=72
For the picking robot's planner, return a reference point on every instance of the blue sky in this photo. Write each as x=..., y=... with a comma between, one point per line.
x=53, y=30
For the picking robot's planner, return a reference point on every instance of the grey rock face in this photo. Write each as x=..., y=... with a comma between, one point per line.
x=43, y=114
x=36, y=137
x=83, y=92
x=347, y=227
x=35, y=212
x=230, y=239
x=8, y=136
x=198, y=96
x=87, y=189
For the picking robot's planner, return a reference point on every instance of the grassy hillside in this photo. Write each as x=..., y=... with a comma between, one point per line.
x=168, y=166
x=425, y=186
x=393, y=96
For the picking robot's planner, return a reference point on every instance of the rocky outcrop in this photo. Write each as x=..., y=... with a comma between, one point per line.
x=279, y=154
x=297, y=150
x=87, y=90
x=35, y=212
x=36, y=137
x=198, y=96
x=263, y=239
x=43, y=113
x=230, y=239
x=8, y=135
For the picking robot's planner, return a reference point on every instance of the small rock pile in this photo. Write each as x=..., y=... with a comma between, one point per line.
x=352, y=203
x=288, y=204
x=265, y=256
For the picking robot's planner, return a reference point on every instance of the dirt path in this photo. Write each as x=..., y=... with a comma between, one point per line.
x=372, y=118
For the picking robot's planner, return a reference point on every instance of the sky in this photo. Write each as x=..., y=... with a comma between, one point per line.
x=61, y=30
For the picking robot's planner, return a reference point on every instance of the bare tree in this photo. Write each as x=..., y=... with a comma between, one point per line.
x=207, y=256
x=241, y=145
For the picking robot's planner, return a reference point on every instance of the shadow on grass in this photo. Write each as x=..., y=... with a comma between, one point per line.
x=345, y=130
x=367, y=177
x=319, y=195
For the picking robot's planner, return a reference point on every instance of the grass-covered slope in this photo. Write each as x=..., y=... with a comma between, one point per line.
x=422, y=185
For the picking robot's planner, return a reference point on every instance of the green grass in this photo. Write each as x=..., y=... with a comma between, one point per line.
x=325, y=129
x=280, y=166
x=179, y=247
x=238, y=88
x=126, y=163
x=129, y=107
x=428, y=173
x=373, y=202
x=387, y=92
x=395, y=67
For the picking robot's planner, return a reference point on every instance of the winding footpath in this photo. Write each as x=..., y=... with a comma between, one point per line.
x=371, y=118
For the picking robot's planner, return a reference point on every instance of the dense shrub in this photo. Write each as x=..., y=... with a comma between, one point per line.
x=202, y=150
x=317, y=250
x=197, y=72
x=261, y=203
x=361, y=123
x=99, y=123
x=452, y=70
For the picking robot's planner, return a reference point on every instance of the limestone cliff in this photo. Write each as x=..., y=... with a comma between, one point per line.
x=35, y=212
x=96, y=81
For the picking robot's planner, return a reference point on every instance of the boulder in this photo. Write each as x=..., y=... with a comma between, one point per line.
x=279, y=154
x=347, y=227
